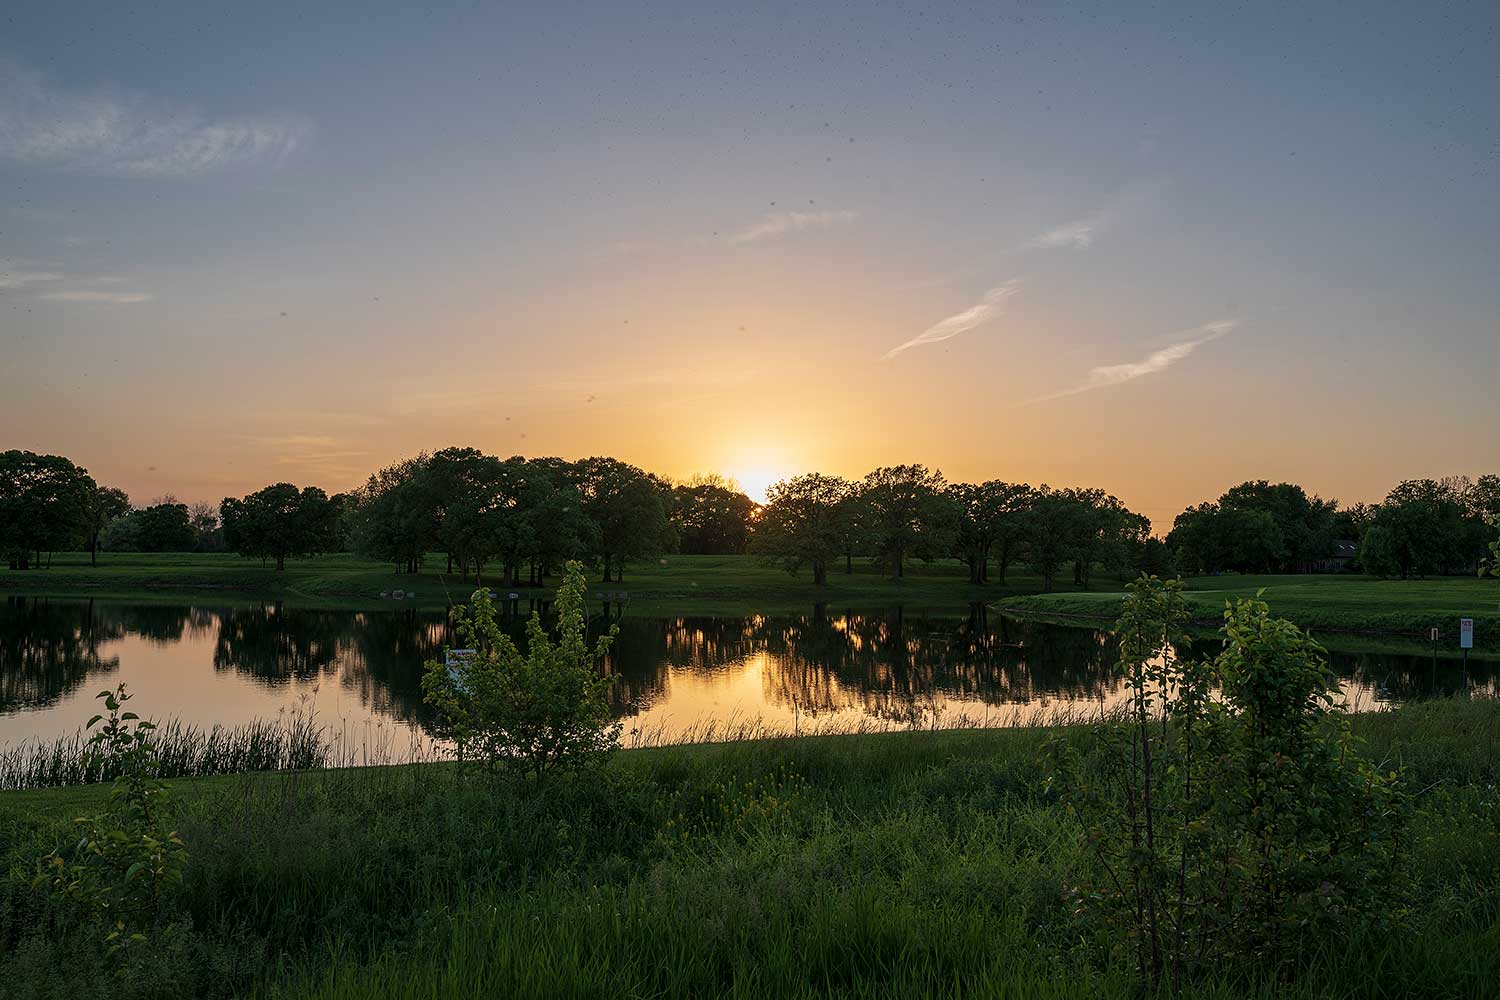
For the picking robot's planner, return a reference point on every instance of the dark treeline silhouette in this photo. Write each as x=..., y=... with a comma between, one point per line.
x=516, y=520
x=1422, y=527
x=904, y=512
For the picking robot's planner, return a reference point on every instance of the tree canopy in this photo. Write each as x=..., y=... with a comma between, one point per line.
x=279, y=521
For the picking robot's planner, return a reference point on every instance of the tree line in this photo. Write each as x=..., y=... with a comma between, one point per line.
x=520, y=519
x=899, y=513
x=1422, y=527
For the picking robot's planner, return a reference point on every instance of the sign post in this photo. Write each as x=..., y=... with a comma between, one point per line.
x=1432, y=637
x=1466, y=643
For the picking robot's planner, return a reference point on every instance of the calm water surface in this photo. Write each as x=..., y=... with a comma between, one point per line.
x=361, y=671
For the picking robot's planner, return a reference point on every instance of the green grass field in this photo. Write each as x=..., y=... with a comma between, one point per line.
x=1335, y=603
x=898, y=865
x=673, y=585
x=739, y=585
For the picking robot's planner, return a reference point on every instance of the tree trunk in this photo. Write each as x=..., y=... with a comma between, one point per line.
x=606, y=567
x=820, y=572
x=280, y=562
x=848, y=562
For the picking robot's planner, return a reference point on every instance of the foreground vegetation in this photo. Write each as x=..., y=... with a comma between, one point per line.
x=890, y=865
x=1225, y=834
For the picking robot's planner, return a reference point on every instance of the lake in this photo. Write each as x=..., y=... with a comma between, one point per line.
x=361, y=671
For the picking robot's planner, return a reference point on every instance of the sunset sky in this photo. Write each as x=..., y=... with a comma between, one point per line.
x=1156, y=253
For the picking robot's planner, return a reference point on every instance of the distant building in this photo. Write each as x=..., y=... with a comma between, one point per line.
x=1340, y=558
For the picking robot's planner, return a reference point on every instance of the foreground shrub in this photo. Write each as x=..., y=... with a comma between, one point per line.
x=531, y=712
x=1243, y=828
x=127, y=859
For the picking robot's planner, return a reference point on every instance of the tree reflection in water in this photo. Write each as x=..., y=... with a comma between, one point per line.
x=897, y=665
x=48, y=648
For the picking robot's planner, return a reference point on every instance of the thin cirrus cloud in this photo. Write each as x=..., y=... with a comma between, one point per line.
x=962, y=322
x=86, y=295
x=17, y=274
x=55, y=286
x=781, y=223
x=132, y=135
x=1079, y=234
x=1104, y=376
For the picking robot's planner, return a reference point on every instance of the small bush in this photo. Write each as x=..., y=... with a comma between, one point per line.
x=127, y=859
x=531, y=712
x=1243, y=828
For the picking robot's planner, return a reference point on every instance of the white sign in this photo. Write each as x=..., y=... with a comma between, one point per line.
x=453, y=658
x=1433, y=635
x=1466, y=633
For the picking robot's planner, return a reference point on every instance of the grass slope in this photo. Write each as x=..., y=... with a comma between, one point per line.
x=898, y=865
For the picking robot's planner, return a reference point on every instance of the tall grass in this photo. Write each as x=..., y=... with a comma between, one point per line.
x=294, y=742
x=905, y=863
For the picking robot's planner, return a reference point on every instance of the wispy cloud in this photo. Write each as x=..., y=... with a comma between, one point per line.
x=23, y=274
x=1079, y=234
x=781, y=223
x=313, y=455
x=132, y=135
x=960, y=322
x=40, y=280
x=1160, y=360
x=82, y=295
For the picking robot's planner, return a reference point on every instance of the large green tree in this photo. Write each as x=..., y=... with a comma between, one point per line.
x=46, y=505
x=392, y=516
x=1419, y=528
x=1211, y=538
x=280, y=521
x=804, y=522
x=991, y=523
x=1056, y=523
x=166, y=527
x=105, y=506
x=472, y=501
x=909, y=515
x=628, y=510
x=1304, y=524
x=711, y=518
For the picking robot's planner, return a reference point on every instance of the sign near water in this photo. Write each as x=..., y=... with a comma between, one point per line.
x=1466, y=633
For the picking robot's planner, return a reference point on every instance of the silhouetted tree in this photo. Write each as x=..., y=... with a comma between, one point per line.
x=280, y=521
x=105, y=505
x=45, y=506
x=711, y=519
x=628, y=512
x=909, y=515
x=804, y=523
x=391, y=517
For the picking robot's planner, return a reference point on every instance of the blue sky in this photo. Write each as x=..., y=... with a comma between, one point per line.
x=1156, y=252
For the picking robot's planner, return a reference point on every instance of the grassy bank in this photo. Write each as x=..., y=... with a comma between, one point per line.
x=670, y=586
x=1335, y=603
x=739, y=585
x=892, y=865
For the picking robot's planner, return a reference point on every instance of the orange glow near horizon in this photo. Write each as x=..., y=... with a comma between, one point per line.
x=754, y=470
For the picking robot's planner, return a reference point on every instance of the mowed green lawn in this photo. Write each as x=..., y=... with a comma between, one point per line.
x=737, y=585
x=672, y=585
x=1345, y=603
